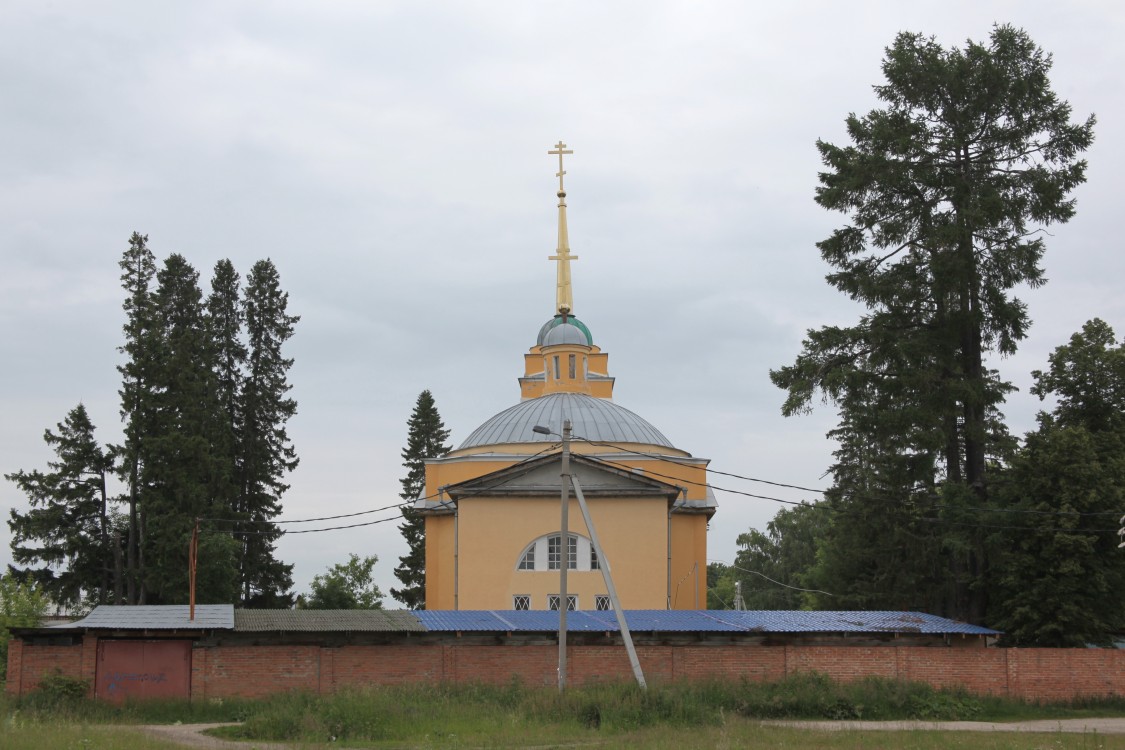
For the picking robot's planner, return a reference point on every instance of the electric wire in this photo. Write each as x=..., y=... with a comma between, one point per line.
x=438, y=494
x=984, y=509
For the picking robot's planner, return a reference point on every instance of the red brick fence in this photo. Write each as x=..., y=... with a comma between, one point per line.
x=250, y=669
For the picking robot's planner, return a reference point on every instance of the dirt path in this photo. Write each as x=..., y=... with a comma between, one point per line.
x=191, y=735
x=1078, y=726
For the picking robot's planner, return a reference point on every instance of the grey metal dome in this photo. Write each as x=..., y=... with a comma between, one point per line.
x=596, y=419
x=566, y=334
x=557, y=322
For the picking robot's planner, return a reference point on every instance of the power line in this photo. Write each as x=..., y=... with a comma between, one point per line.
x=363, y=512
x=982, y=509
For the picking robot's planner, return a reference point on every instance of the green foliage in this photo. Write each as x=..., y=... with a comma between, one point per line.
x=1061, y=577
x=813, y=695
x=22, y=605
x=774, y=566
x=720, y=586
x=57, y=690
x=180, y=462
x=204, y=400
x=68, y=529
x=945, y=186
x=425, y=438
x=265, y=454
x=347, y=585
x=138, y=272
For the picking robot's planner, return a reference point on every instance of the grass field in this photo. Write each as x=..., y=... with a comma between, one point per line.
x=726, y=714
x=736, y=733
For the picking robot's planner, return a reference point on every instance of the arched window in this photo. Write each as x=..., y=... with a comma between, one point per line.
x=545, y=553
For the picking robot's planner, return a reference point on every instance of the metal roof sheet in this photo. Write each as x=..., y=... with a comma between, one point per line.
x=326, y=621
x=225, y=617
x=157, y=617
x=696, y=621
x=596, y=419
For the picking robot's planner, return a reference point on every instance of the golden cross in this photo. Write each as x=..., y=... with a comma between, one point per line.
x=564, y=296
x=560, y=149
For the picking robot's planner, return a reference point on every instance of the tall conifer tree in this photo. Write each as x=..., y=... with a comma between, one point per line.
x=946, y=187
x=183, y=467
x=224, y=321
x=68, y=527
x=265, y=454
x=426, y=436
x=138, y=272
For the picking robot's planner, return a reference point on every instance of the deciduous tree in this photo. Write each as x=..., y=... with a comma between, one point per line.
x=347, y=585
x=22, y=605
x=1060, y=576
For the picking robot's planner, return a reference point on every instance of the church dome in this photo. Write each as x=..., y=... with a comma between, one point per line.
x=574, y=331
x=595, y=419
x=566, y=334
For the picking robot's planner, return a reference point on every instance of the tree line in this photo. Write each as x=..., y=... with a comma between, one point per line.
x=204, y=402
x=933, y=504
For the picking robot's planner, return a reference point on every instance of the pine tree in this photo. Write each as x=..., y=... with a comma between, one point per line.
x=138, y=271
x=265, y=454
x=945, y=187
x=426, y=436
x=68, y=526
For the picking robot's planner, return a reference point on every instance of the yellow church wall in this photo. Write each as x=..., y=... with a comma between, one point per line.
x=440, y=550
x=689, y=561
x=492, y=539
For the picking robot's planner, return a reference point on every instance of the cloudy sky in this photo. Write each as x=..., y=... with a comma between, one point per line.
x=390, y=158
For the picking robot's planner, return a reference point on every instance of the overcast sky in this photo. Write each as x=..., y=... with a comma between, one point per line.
x=390, y=158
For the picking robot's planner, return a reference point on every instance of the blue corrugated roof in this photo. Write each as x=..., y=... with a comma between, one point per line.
x=668, y=621
x=222, y=617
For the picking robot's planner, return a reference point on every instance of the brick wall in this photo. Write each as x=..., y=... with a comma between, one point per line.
x=229, y=669
x=28, y=663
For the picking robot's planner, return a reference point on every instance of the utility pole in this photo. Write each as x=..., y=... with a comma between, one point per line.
x=564, y=544
x=607, y=577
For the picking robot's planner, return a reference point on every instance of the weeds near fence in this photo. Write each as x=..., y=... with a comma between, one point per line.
x=506, y=714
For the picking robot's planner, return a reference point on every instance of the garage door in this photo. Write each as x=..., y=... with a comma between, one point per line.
x=143, y=669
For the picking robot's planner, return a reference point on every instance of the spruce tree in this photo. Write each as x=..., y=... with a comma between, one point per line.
x=265, y=454
x=68, y=528
x=138, y=272
x=183, y=468
x=426, y=436
x=224, y=323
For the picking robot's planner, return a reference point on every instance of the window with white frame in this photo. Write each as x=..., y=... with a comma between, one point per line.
x=545, y=554
x=571, y=602
x=521, y=601
x=602, y=603
x=554, y=552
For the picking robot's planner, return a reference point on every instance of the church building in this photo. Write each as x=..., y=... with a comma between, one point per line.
x=493, y=509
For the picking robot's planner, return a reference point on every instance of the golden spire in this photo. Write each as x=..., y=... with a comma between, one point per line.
x=564, y=300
